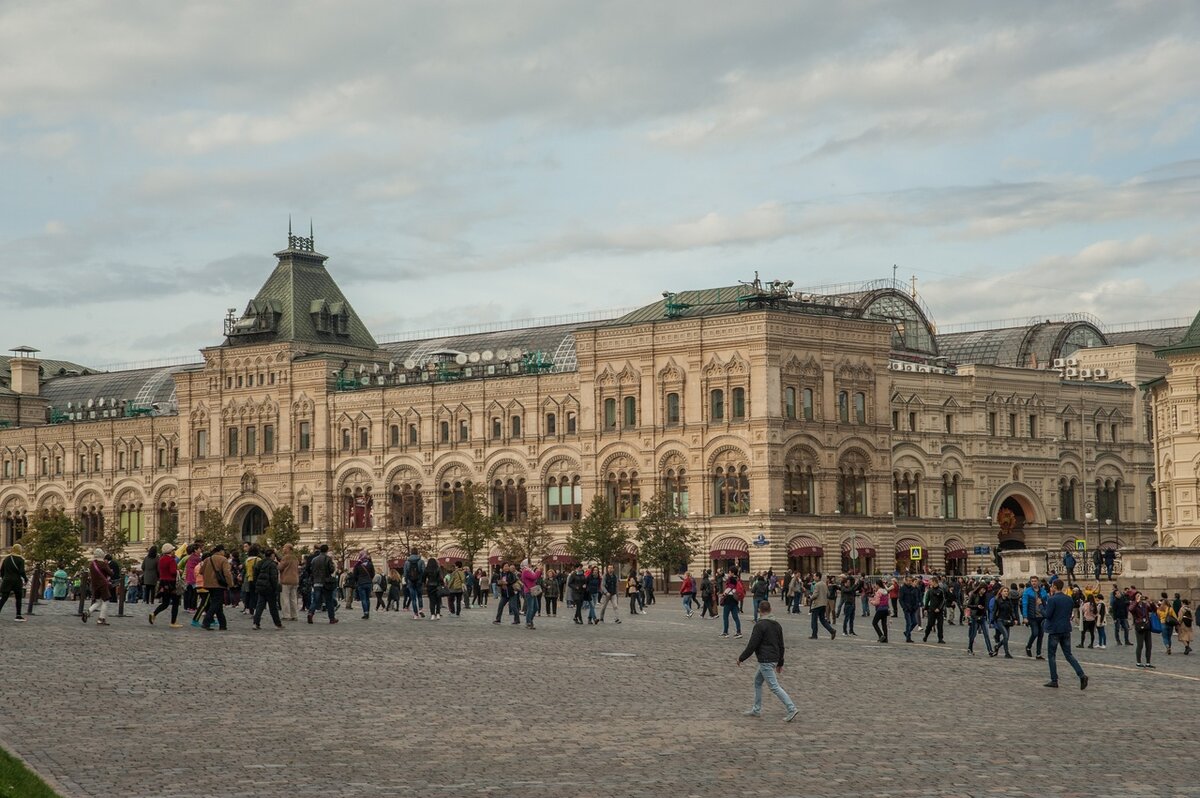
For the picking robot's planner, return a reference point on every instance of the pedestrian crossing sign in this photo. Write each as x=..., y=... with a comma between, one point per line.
x=1080, y=545
x=915, y=553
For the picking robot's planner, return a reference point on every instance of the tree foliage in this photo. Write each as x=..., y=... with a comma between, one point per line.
x=597, y=537
x=528, y=539
x=53, y=539
x=168, y=529
x=473, y=525
x=214, y=530
x=282, y=530
x=664, y=539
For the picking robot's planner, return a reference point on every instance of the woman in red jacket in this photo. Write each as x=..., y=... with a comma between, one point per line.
x=168, y=574
x=687, y=591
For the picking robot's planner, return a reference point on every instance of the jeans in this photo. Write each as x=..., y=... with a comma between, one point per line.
x=288, y=600
x=414, y=597
x=1144, y=638
x=609, y=600
x=754, y=603
x=728, y=610
x=270, y=602
x=362, y=593
x=215, y=609
x=866, y=605
x=455, y=603
x=687, y=603
x=592, y=601
x=1035, y=633
x=1108, y=567
x=1118, y=625
x=531, y=606
x=879, y=623
x=766, y=673
x=848, y=617
x=979, y=627
x=818, y=615
x=911, y=621
x=435, y=600
x=505, y=600
x=1167, y=631
x=1101, y=630
x=1063, y=640
x=1002, y=636
x=797, y=597
x=323, y=596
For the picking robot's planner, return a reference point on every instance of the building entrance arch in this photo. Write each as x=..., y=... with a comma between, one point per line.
x=1014, y=509
x=251, y=520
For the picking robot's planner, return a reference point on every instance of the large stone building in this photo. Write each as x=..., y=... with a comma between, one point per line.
x=1176, y=405
x=823, y=431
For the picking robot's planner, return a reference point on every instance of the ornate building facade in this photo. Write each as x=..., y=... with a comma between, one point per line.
x=1175, y=397
x=820, y=431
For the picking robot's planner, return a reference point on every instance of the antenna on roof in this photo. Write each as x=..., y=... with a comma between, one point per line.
x=311, y=237
x=289, y=225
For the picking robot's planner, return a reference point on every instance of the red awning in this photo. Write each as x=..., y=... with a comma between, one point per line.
x=955, y=550
x=452, y=554
x=805, y=546
x=557, y=554
x=863, y=550
x=904, y=544
x=629, y=552
x=729, y=549
x=494, y=557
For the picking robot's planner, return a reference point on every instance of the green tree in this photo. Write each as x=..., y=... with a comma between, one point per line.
x=282, y=530
x=528, y=539
x=597, y=537
x=53, y=541
x=168, y=529
x=664, y=540
x=214, y=530
x=473, y=526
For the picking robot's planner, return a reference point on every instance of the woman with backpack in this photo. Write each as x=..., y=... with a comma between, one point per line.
x=881, y=601
x=433, y=588
x=1167, y=621
x=687, y=591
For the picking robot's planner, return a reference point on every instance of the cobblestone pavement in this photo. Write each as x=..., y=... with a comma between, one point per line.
x=461, y=707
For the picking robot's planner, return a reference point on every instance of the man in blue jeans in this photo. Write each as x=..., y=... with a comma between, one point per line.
x=766, y=644
x=820, y=598
x=1056, y=621
x=324, y=579
x=910, y=602
x=1033, y=600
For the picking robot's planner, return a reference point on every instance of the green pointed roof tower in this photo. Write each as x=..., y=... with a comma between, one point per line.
x=1189, y=343
x=300, y=303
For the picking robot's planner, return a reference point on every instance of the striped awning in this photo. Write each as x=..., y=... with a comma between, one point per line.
x=494, y=556
x=862, y=545
x=557, y=554
x=629, y=552
x=729, y=548
x=452, y=554
x=804, y=546
x=955, y=550
x=903, y=545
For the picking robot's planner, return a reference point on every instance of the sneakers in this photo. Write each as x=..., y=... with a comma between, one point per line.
x=196, y=623
x=753, y=713
x=19, y=619
x=618, y=620
x=1051, y=684
x=1083, y=682
x=333, y=621
x=724, y=634
x=151, y=619
x=176, y=626
x=789, y=717
x=736, y=636
x=84, y=616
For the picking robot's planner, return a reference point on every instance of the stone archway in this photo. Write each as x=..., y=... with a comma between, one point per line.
x=1014, y=509
x=251, y=520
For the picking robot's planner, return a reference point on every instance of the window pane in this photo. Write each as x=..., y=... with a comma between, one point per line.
x=672, y=408
x=739, y=404
x=808, y=404
x=717, y=398
x=789, y=403
x=630, y=412
x=610, y=413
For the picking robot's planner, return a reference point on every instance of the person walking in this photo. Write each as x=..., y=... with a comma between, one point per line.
x=819, y=606
x=531, y=588
x=707, y=608
x=977, y=609
x=456, y=582
x=218, y=576
x=1004, y=617
x=766, y=646
x=1167, y=621
x=910, y=603
x=1033, y=602
x=433, y=588
x=594, y=585
x=167, y=571
x=414, y=580
x=1120, y=613
x=632, y=592
x=609, y=594
x=1187, y=619
x=731, y=596
x=1069, y=565
x=847, y=590
x=1110, y=559
x=687, y=593
x=150, y=574
x=289, y=582
x=647, y=589
x=379, y=588
x=1097, y=562
x=1087, y=615
x=395, y=586
x=266, y=586
x=506, y=585
x=577, y=584
x=1056, y=620
x=936, y=599
x=191, y=563
x=362, y=577
x=759, y=590
x=324, y=580
x=881, y=601
x=13, y=579
x=100, y=576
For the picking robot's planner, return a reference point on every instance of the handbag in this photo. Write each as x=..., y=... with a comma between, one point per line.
x=535, y=591
x=220, y=574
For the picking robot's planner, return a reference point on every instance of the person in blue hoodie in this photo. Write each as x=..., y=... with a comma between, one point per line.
x=1056, y=620
x=1033, y=602
x=414, y=579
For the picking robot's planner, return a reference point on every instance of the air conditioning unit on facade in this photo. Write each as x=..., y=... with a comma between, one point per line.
x=1072, y=372
x=924, y=369
x=1059, y=363
x=1100, y=374
x=1085, y=374
x=910, y=367
x=1072, y=362
x=896, y=366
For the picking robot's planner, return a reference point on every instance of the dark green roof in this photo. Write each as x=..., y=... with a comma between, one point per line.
x=300, y=303
x=1189, y=343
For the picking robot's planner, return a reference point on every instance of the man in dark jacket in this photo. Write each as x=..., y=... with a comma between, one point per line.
x=577, y=584
x=910, y=602
x=13, y=578
x=324, y=584
x=1120, y=614
x=936, y=599
x=1057, y=623
x=766, y=644
x=266, y=585
x=609, y=595
x=1110, y=559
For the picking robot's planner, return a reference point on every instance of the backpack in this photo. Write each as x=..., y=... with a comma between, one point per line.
x=740, y=590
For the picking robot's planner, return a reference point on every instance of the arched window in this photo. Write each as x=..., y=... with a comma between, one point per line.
x=844, y=407
x=630, y=408
x=860, y=408
x=738, y=400
x=509, y=501
x=675, y=487
x=16, y=522
x=364, y=438
x=789, y=403
x=624, y=493
x=564, y=498
x=807, y=396
x=950, y=496
x=672, y=408
x=407, y=506
x=359, y=508
x=905, y=489
x=168, y=516
x=1153, y=498
x=516, y=426
x=571, y=424
x=1066, y=499
x=91, y=517
x=852, y=486
x=610, y=413
x=1107, y=500
x=731, y=487
x=394, y=435
x=453, y=495
x=799, y=495
x=444, y=429
x=551, y=424
x=129, y=521
x=716, y=403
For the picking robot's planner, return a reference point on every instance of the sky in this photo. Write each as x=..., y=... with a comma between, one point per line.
x=471, y=162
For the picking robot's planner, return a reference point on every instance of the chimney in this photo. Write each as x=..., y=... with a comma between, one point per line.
x=26, y=371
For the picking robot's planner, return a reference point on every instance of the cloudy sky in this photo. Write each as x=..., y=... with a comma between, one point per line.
x=469, y=162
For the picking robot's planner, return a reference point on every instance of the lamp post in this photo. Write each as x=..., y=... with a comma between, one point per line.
x=1089, y=507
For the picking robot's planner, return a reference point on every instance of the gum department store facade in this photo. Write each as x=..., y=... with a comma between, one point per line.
x=791, y=429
